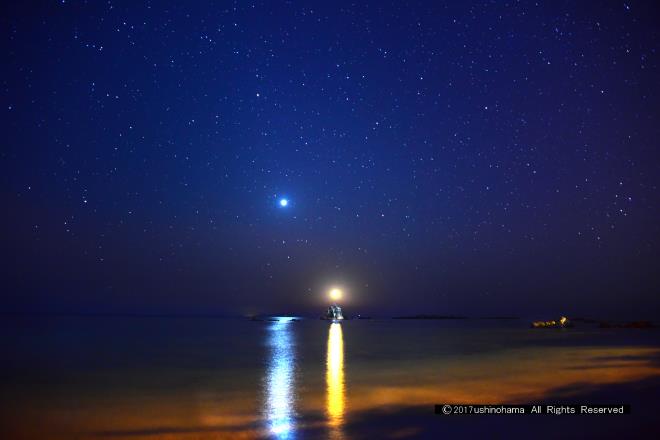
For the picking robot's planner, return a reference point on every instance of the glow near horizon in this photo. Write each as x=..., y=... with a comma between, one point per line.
x=336, y=294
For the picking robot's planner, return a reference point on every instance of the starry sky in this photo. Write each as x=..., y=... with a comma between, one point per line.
x=476, y=158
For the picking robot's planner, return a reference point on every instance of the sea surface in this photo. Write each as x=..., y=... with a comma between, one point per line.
x=211, y=378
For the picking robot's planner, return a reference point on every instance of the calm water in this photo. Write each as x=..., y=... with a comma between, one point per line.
x=184, y=378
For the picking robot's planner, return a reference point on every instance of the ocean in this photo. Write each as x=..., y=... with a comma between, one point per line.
x=210, y=378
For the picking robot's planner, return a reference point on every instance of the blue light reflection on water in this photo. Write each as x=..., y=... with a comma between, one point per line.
x=280, y=380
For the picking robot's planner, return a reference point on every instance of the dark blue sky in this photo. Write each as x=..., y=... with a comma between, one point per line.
x=471, y=158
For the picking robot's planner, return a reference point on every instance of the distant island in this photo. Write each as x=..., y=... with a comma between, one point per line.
x=499, y=317
x=430, y=317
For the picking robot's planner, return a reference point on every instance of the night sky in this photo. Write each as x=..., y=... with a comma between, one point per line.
x=493, y=158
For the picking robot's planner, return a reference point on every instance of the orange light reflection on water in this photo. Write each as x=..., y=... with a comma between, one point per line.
x=335, y=388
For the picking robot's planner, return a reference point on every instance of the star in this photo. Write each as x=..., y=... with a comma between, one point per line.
x=284, y=203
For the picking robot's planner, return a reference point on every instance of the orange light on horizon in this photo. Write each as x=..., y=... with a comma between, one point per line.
x=336, y=294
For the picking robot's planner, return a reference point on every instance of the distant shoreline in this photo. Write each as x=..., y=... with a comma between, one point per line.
x=603, y=323
x=430, y=317
x=450, y=317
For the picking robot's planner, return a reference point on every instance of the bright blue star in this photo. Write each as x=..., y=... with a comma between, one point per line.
x=284, y=202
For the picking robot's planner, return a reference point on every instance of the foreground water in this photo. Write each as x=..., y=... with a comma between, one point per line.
x=185, y=378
